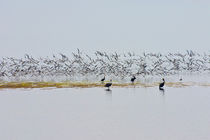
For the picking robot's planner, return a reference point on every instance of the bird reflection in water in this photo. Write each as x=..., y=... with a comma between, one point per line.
x=108, y=91
x=108, y=94
x=162, y=90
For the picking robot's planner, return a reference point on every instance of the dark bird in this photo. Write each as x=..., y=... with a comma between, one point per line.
x=180, y=79
x=108, y=84
x=102, y=80
x=162, y=84
x=133, y=79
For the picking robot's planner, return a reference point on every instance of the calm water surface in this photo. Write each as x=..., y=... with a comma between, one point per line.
x=96, y=114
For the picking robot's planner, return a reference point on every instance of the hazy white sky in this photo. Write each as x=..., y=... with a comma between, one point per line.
x=46, y=27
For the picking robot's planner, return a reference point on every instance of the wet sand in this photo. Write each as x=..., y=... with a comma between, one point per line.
x=15, y=85
x=97, y=114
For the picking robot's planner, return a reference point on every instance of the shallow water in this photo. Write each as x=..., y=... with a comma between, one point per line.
x=94, y=113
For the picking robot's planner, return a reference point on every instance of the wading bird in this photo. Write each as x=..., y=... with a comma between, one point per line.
x=102, y=80
x=162, y=84
x=108, y=84
x=133, y=79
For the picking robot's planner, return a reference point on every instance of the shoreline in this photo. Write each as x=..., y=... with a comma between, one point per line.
x=8, y=85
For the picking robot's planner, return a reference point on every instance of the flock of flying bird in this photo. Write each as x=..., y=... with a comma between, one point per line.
x=121, y=66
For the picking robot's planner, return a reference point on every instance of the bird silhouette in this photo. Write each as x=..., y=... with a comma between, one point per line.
x=108, y=85
x=133, y=79
x=162, y=84
x=102, y=80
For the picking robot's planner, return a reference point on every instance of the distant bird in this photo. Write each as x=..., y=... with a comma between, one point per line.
x=108, y=84
x=102, y=80
x=133, y=79
x=162, y=84
x=180, y=79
